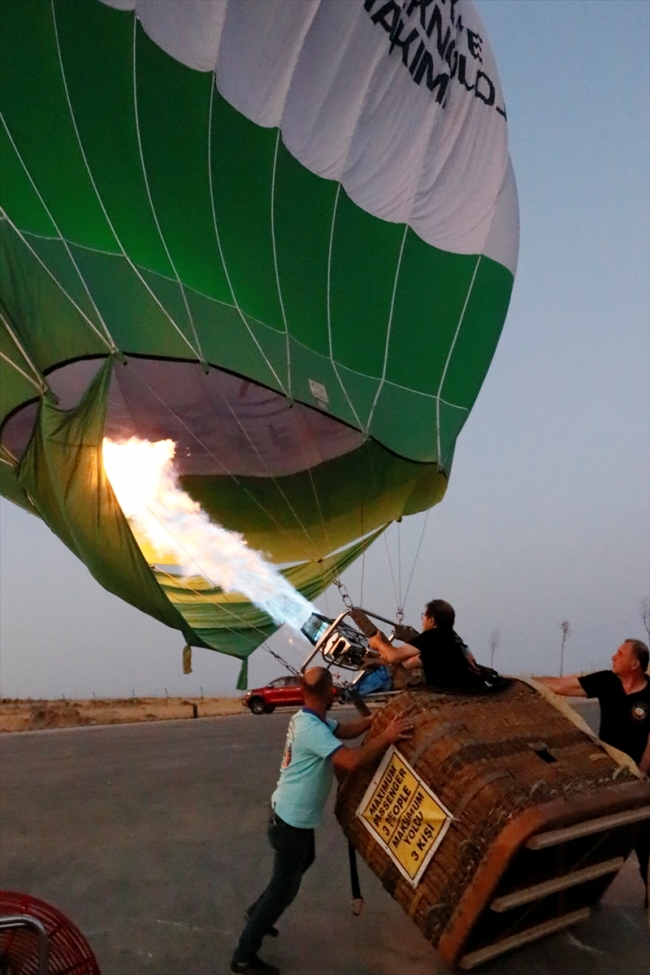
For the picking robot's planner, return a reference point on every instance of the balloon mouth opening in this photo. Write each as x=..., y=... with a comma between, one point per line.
x=223, y=424
x=297, y=483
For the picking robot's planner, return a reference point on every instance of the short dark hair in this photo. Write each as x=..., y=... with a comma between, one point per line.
x=442, y=612
x=640, y=651
x=316, y=682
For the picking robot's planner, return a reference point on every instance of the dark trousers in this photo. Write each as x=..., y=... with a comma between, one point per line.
x=294, y=853
x=642, y=850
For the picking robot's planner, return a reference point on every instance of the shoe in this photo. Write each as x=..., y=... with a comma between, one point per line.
x=254, y=966
x=272, y=932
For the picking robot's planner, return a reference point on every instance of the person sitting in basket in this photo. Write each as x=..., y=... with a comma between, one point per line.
x=438, y=649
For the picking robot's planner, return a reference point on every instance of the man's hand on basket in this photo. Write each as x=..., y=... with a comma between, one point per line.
x=398, y=729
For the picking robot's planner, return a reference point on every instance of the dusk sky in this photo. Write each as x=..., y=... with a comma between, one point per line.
x=547, y=515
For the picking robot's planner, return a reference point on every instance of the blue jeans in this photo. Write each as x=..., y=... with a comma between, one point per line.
x=294, y=854
x=375, y=679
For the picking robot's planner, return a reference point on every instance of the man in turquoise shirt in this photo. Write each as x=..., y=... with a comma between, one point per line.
x=313, y=751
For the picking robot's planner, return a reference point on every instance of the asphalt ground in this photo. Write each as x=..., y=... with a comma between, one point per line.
x=152, y=839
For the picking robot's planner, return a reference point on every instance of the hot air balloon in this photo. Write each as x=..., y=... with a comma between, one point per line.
x=282, y=235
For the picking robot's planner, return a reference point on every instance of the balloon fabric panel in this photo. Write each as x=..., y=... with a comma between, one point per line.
x=296, y=265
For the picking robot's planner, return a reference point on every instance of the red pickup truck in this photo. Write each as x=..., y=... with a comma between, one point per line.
x=281, y=691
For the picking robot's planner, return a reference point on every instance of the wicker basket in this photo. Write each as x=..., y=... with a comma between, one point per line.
x=68, y=950
x=498, y=822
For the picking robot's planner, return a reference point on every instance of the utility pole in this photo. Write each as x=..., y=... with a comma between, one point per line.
x=495, y=638
x=565, y=626
x=645, y=614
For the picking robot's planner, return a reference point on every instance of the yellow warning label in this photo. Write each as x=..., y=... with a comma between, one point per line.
x=404, y=815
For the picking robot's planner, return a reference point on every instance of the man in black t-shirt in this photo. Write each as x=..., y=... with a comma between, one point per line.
x=624, y=696
x=624, y=716
x=439, y=650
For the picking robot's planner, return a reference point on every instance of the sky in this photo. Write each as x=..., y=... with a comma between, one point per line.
x=546, y=517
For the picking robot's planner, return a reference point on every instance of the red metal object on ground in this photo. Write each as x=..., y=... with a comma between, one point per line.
x=68, y=950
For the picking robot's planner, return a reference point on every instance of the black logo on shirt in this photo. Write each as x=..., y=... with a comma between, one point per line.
x=639, y=711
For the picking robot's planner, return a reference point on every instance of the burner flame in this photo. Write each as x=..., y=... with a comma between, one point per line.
x=145, y=482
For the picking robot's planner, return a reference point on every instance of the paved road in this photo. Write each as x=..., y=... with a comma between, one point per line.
x=151, y=838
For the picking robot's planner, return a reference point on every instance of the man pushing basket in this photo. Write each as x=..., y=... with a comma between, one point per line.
x=313, y=752
x=624, y=696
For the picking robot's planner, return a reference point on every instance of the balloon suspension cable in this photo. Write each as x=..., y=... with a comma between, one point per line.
x=289, y=667
x=417, y=554
x=392, y=573
x=400, y=602
x=397, y=586
x=344, y=594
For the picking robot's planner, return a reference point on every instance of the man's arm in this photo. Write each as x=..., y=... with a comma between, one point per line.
x=352, y=729
x=412, y=663
x=389, y=653
x=644, y=761
x=349, y=759
x=568, y=686
x=471, y=659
